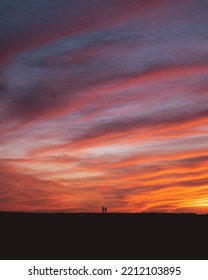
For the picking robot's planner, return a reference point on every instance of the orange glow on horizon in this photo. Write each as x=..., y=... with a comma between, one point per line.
x=104, y=103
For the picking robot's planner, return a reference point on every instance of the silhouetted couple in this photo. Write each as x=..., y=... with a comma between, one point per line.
x=104, y=209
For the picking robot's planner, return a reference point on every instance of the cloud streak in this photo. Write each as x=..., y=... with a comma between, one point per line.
x=103, y=102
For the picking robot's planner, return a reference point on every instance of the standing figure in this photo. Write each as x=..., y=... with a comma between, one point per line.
x=105, y=209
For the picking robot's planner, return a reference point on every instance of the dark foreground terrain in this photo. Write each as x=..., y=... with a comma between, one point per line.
x=103, y=236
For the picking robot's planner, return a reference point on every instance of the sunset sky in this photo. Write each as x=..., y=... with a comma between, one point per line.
x=104, y=102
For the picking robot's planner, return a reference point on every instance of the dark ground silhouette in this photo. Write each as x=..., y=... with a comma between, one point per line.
x=97, y=236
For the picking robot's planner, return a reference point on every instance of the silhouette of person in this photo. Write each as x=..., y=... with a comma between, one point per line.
x=105, y=209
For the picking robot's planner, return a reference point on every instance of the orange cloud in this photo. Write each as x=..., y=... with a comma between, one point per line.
x=104, y=102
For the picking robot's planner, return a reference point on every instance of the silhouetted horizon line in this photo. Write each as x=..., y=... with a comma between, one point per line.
x=100, y=213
